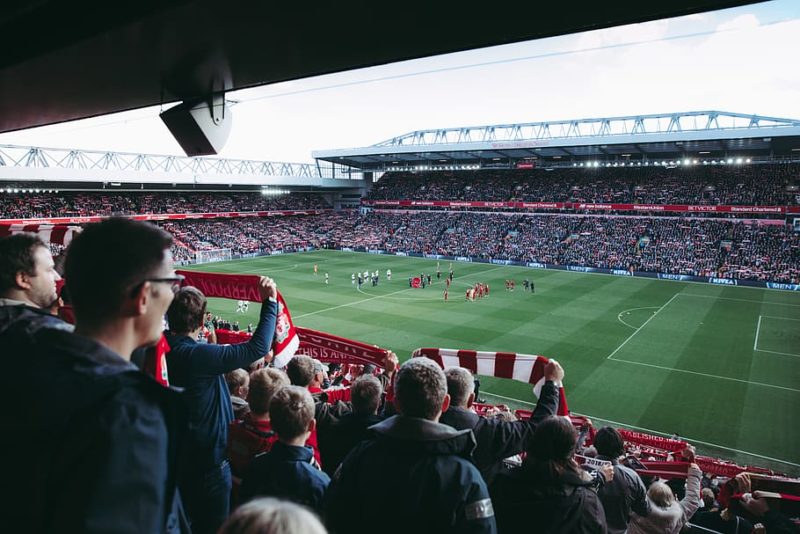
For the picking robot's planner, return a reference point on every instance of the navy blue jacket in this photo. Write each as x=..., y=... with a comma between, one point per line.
x=199, y=368
x=415, y=476
x=497, y=439
x=91, y=442
x=286, y=472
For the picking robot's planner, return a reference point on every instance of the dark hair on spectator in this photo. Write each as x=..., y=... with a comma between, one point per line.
x=271, y=516
x=551, y=449
x=264, y=384
x=107, y=260
x=365, y=394
x=16, y=256
x=301, y=370
x=420, y=388
x=290, y=411
x=609, y=442
x=460, y=384
x=187, y=310
x=236, y=379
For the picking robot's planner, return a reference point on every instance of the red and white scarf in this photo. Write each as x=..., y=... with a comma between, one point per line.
x=522, y=367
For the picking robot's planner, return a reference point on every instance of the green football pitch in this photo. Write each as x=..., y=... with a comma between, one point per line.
x=719, y=366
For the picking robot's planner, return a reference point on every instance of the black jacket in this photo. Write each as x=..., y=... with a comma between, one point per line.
x=338, y=439
x=415, y=476
x=94, y=447
x=498, y=439
x=624, y=493
x=525, y=503
x=32, y=319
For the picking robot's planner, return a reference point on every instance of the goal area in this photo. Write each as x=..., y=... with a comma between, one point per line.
x=216, y=254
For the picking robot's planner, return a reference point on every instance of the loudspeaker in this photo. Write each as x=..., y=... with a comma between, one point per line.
x=201, y=128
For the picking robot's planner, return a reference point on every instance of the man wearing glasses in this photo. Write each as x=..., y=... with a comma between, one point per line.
x=95, y=446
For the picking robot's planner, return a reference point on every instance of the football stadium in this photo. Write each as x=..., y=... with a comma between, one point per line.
x=574, y=323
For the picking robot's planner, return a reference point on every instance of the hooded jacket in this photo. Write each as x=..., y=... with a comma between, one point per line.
x=94, y=446
x=415, y=476
x=527, y=503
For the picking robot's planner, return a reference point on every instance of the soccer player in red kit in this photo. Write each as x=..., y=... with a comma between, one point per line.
x=445, y=294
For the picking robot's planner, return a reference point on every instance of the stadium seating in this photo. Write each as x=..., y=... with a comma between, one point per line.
x=72, y=204
x=701, y=247
x=764, y=185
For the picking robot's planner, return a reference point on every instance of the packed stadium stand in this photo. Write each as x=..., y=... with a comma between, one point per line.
x=82, y=204
x=700, y=247
x=760, y=185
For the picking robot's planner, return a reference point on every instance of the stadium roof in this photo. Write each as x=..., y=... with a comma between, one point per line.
x=69, y=60
x=711, y=134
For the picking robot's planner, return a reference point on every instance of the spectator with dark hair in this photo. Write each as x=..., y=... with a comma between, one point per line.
x=254, y=434
x=421, y=466
x=99, y=452
x=550, y=493
x=351, y=429
x=288, y=470
x=667, y=514
x=272, y=516
x=27, y=283
x=200, y=368
x=626, y=491
x=497, y=439
x=238, y=382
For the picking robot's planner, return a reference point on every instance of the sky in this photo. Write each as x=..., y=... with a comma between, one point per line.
x=741, y=60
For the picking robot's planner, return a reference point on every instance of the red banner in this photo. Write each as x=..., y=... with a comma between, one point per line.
x=227, y=286
x=322, y=346
x=165, y=216
x=777, y=210
x=334, y=349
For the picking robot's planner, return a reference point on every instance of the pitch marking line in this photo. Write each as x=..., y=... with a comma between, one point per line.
x=652, y=431
x=758, y=330
x=619, y=315
x=386, y=295
x=643, y=325
x=763, y=384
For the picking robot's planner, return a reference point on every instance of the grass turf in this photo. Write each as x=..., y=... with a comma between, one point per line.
x=720, y=366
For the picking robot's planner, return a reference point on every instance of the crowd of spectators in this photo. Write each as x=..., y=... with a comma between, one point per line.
x=673, y=245
x=245, y=443
x=84, y=204
x=757, y=185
